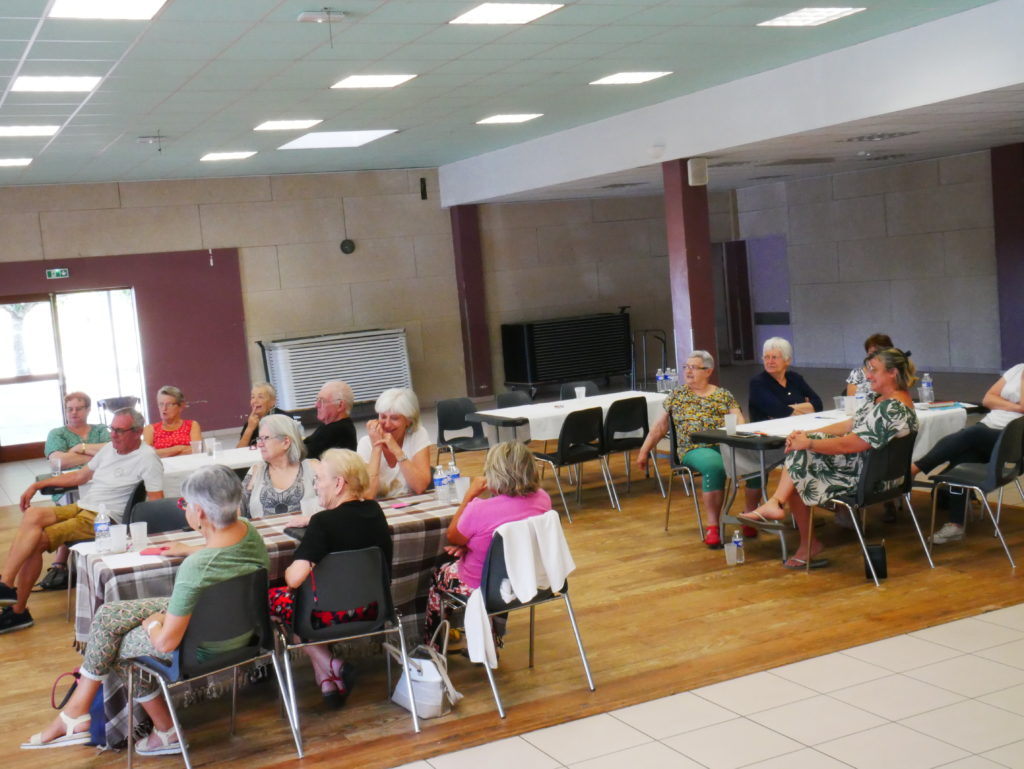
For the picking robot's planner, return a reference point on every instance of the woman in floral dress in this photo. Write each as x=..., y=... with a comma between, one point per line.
x=827, y=463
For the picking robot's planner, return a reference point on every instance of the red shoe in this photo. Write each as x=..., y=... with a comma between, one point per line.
x=712, y=538
x=749, y=532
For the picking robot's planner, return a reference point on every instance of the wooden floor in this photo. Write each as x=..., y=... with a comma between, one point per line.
x=659, y=614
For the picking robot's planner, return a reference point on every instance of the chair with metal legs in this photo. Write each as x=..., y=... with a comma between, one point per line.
x=625, y=428
x=687, y=475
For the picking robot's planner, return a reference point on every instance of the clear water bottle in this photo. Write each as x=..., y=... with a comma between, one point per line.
x=737, y=539
x=453, y=476
x=101, y=530
x=659, y=378
x=441, y=485
x=926, y=390
x=671, y=380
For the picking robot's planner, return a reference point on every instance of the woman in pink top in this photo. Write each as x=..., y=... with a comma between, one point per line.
x=511, y=477
x=172, y=435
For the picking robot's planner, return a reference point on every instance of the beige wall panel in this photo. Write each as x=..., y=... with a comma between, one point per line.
x=950, y=207
x=441, y=372
x=854, y=184
x=311, y=264
x=367, y=217
x=858, y=218
x=912, y=176
x=719, y=202
x=357, y=183
x=722, y=227
x=259, y=268
x=543, y=287
x=810, y=223
x=768, y=221
x=109, y=232
x=638, y=282
x=498, y=216
x=618, y=209
x=813, y=263
x=959, y=169
x=803, y=191
x=761, y=197
x=970, y=252
x=20, y=236
x=911, y=256
x=272, y=223
x=512, y=249
x=194, y=191
x=430, y=174
x=434, y=255
x=298, y=312
x=391, y=302
x=596, y=241
x=657, y=237
x=58, y=197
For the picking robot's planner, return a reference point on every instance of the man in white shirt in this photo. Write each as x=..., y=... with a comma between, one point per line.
x=108, y=480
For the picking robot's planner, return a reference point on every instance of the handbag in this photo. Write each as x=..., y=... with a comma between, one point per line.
x=432, y=689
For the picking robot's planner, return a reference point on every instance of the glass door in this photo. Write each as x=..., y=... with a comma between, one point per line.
x=30, y=379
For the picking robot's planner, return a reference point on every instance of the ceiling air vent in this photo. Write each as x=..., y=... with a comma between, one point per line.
x=798, y=162
x=879, y=137
x=621, y=185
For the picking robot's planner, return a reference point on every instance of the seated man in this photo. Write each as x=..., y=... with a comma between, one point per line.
x=336, y=431
x=109, y=479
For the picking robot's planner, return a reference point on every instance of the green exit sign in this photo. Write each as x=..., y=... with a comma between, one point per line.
x=57, y=272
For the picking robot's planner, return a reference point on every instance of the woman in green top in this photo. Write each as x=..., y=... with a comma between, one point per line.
x=155, y=626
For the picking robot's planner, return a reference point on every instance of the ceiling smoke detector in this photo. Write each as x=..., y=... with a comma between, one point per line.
x=329, y=15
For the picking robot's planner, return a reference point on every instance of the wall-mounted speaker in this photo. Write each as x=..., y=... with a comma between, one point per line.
x=697, y=171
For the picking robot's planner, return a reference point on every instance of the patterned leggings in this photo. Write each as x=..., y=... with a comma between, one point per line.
x=116, y=635
x=444, y=579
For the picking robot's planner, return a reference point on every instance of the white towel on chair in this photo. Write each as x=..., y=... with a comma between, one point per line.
x=479, y=639
x=536, y=555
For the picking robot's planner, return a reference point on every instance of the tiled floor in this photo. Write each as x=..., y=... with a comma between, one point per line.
x=950, y=696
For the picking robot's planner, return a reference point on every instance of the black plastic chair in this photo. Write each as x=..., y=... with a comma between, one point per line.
x=568, y=389
x=513, y=398
x=625, y=418
x=344, y=580
x=687, y=475
x=884, y=476
x=451, y=417
x=1004, y=466
x=160, y=515
x=224, y=611
x=581, y=439
x=495, y=571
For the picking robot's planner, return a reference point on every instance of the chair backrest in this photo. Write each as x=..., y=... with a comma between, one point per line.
x=344, y=581
x=673, y=441
x=496, y=570
x=513, y=398
x=580, y=428
x=451, y=415
x=1006, y=462
x=160, y=515
x=626, y=415
x=886, y=471
x=138, y=495
x=568, y=389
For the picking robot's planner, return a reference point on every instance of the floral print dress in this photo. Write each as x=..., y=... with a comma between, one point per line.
x=693, y=413
x=819, y=477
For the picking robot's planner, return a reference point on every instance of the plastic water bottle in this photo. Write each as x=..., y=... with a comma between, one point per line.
x=737, y=539
x=101, y=530
x=671, y=380
x=659, y=377
x=453, y=476
x=927, y=389
x=441, y=485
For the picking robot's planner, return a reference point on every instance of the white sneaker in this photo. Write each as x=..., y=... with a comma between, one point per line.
x=951, y=532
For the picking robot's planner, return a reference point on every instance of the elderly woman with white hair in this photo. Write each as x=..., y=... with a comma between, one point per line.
x=155, y=627
x=777, y=391
x=284, y=477
x=396, y=447
x=262, y=403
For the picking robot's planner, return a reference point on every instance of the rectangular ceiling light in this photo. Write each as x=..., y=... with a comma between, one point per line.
x=506, y=13
x=129, y=10
x=11, y=162
x=28, y=130
x=493, y=119
x=212, y=157
x=372, y=81
x=809, y=17
x=319, y=140
x=50, y=84
x=286, y=125
x=629, y=78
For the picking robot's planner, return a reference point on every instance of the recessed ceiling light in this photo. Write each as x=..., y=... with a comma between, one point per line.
x=50, y=84
x=506, y=13
x=15, y=161
x=318, y=140
x=210, y=157
x=508, y=118
x=372, y=81
x=130, y=10
x=809, y=17
x=629, y=78
x=28, y=130
x=286, y=125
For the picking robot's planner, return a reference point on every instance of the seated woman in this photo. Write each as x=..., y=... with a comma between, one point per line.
x=857, y=382
x=155, y=626
x=283, y=478
x=172, y=435
x=77, y=441
x=778, y=392
x=699, y=405
x=262, y=402
x=510, y=476
x=396, y=447
x=349, y=521
x=827, y=463
x=974, y=444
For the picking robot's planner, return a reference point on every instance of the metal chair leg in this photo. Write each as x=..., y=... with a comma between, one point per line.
x=286, y=702
x=174, y=719
x=558, y=483
x=668, y=499
x=995, y=524
x=613, y=495
x=579, y=641
x=863, y=544
x=494, y=690
x=532, y=633
x=408, y=677
x=657, y=474
x=917, y=527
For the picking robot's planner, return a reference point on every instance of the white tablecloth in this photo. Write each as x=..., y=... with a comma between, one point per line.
x=177, y=469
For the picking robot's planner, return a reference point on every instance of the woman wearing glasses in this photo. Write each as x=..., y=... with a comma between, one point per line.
x=699, y=405
x=778, y=392
x=172, y=435
x=283, y=478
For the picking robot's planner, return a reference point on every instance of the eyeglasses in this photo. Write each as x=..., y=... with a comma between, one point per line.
x=322, y=401
x=265, y=438
x=695, y=368
x=122, y=430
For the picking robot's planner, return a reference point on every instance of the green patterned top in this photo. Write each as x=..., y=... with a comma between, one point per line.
x=692, y=413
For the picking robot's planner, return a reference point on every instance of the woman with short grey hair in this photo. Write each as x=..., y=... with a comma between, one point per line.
x=172, y=435
x=283, y=478
x=778, y=392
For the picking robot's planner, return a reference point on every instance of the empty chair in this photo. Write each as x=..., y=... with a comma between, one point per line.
x=451, y=417
x=513, y=398
x=159, y=514
x=581, y=439
x=625, y=428
x=568, y=389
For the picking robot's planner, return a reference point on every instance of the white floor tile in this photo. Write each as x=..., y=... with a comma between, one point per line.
x=818, y=719
x=1011, y=756
x=902, y=652
x=653, y=755
x=1008, y=654
x=511, y=753
x=830, y=672
x=969, y=676
x=732, y=744
x=973, y=762
x=586, y=738
x=1011, y=699
x=673, y=715
x=971, y=725
x=755, y=692
x=808, y=758
x=896, y=697
x=1011, y=617
x=415, y=765
x=969, y=635
x=892, y=747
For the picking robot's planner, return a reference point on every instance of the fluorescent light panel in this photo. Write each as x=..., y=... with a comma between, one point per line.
x=28, y=130
x=129, y=10
x=50, y=84
x=318, y=140
x=12, y=162
x=810, y=17
x=212, y=157
x=286, y=125
x=629, y=78
x=372, y=81
x=494, y=119
x=506, y=13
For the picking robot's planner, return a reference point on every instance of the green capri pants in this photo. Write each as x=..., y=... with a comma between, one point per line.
x=708, y=462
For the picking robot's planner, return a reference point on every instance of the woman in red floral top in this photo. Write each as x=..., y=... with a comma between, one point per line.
x=172, y=435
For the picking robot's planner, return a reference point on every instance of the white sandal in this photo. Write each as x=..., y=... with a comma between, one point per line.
x=70, y=736
x=165, y=748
